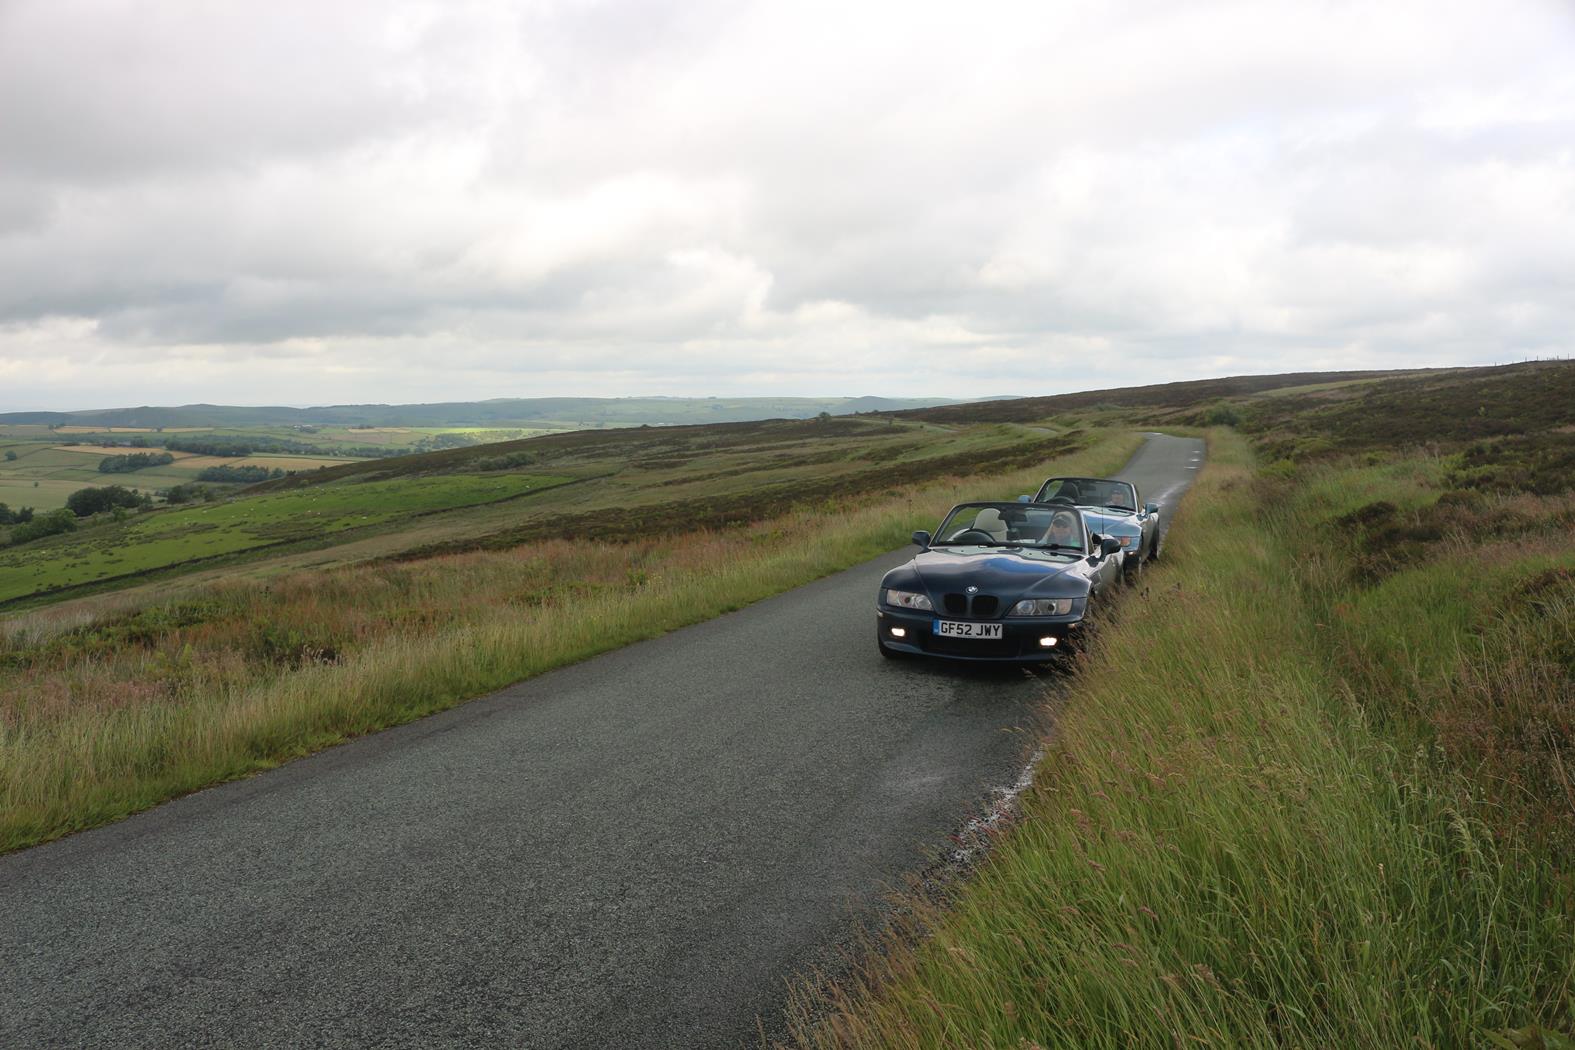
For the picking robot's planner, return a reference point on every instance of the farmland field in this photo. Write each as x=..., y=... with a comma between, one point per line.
x=45, y=472
x=126, y=430
x=41, y=493
x=203, y=531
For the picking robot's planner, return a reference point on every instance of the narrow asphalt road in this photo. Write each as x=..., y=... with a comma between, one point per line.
x=637, y=851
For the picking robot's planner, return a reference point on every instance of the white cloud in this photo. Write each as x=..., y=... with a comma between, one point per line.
x=298, y=203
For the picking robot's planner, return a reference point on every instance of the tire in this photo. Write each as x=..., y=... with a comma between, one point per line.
x=1132, y=572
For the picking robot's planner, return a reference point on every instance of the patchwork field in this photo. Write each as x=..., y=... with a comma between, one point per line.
x=46, y=471
x=196, y=533
x=125, y=430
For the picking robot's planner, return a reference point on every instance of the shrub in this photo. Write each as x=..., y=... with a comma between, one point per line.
x=508, y=462
x=56, y=521
x=86, y=502
x=1222, y=416
x=188, y=494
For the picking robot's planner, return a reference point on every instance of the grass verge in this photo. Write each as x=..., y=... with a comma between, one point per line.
x=1229, y=845
x=104, y=718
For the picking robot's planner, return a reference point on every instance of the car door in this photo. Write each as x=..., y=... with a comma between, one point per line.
x=1145, y=522
x=1101, y=574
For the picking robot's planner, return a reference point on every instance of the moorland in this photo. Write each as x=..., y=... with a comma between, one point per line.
x=1330, y=806
x=46, y=456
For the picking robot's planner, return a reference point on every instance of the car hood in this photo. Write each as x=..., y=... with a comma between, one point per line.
x=1099, y=520
x=991, y=569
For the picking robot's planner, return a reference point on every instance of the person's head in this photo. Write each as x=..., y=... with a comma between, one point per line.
x=1063, y=528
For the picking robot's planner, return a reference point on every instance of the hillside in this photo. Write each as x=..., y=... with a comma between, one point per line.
x=544, y=413
x=632, y=482
x=599, y=484
x=46, y=456
x=1155, y=402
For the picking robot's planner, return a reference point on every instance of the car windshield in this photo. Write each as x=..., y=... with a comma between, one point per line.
x=1089, y=492
x=1012, y=525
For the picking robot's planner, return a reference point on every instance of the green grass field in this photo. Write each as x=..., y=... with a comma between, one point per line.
x=192, y=534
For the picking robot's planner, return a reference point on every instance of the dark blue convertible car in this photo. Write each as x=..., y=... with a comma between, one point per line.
x=998, y=581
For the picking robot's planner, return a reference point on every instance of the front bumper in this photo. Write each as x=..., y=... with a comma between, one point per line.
x=1020, y=640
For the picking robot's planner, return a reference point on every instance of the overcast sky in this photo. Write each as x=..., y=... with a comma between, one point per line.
x=334, y=201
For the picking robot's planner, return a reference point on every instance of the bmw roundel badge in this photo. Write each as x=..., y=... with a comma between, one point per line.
x=972, y=589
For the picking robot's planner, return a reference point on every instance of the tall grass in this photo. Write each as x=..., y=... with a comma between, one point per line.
x=1221, y=849
x=1452, y=614
x=99, y=720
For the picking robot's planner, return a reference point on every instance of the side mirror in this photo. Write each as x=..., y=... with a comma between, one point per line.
x=922, y=538
x=1025, y=499
x=1108, y=546
x=1151, y=508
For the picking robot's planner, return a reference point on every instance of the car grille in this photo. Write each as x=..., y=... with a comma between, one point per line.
x=979, y=607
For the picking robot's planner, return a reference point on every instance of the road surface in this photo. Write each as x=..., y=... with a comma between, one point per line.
x=637, y=851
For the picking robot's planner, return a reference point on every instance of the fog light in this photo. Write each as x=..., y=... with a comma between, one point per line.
x=1047, y=642
x=899, y=632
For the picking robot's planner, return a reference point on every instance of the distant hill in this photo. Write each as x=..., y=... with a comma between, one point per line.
x=535, y=412
x=1185, y=394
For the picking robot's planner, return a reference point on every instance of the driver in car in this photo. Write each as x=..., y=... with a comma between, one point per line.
x=1063, y=531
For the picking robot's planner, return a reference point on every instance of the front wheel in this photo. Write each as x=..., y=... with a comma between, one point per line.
x=1132, y=571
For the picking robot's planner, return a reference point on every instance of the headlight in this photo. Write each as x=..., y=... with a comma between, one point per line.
x=1042, y=607
x=909, y=600
x=1127, y=541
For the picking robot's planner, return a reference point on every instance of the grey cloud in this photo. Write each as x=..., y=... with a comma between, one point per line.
x=733, y=194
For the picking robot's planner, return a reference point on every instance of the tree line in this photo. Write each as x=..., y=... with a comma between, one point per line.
x=134, y=461
x=27, y=526
x=238, y=475
x=237, y=448
x=21, y=516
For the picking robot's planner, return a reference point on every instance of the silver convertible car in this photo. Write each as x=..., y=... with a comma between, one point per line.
x=1112, y=508
x=1006, y=582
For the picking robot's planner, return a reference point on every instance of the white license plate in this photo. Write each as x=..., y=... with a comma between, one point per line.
x=954, y=629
